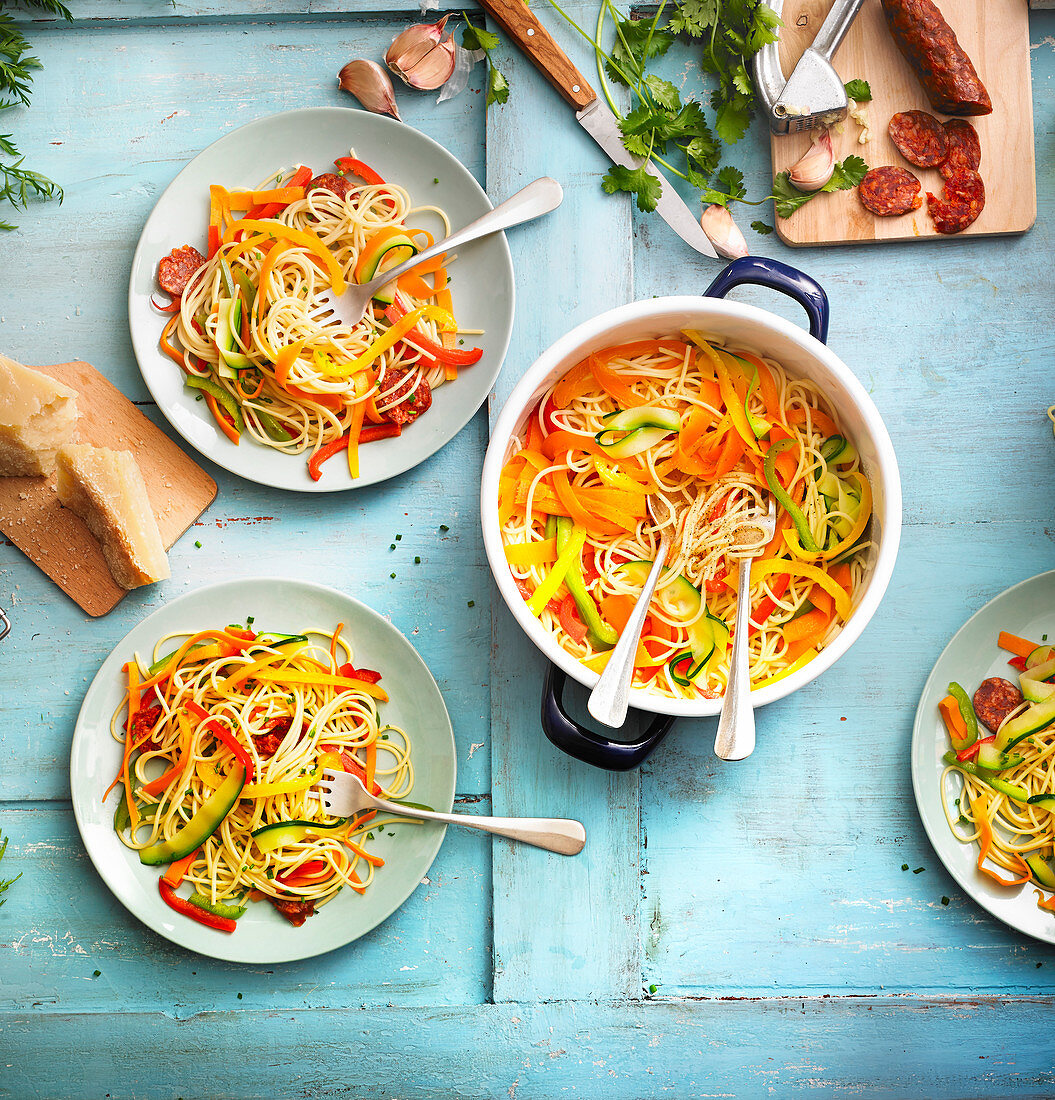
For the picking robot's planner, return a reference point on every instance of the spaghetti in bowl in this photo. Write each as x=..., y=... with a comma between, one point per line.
x=712, y=406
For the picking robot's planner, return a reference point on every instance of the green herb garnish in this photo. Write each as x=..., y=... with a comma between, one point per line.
x=787, y=198
x=858, y=90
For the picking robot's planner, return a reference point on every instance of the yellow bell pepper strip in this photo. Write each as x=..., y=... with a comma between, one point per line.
x=733, y=405
x=540, y=552
x=553, y=580
x=302, y=237
x=321, y=679
x=803, y=659
x=386, y=340
x=856, y=531
x=283, y=786
x=250, y=671
x=764, y=567
x=783, y=498
x=616, y=478
x=980, y=812
x=355, y=427
x=601, y=635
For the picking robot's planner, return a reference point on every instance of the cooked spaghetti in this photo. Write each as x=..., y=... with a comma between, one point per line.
x=224, y=738
x=249, y=329
x=1005, y=800
x=710, y=433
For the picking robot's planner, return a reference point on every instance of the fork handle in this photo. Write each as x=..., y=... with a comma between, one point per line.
x=735, y=738
x=538, y=198
x=555, y=834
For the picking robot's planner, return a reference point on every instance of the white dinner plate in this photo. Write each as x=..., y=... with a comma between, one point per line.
x=1026, y=609
x=482, y=279
x=416, y=705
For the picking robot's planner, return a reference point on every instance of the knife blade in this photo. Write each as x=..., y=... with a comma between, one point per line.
x=594, y=116
x=599, y=122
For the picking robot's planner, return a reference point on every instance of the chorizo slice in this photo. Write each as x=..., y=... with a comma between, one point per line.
x=920, y=138
x=407, y=401
x=176, y=270
x=994, y=700
x=961, y=201
x=965, y=150
x=329, y=181
x=888, y=191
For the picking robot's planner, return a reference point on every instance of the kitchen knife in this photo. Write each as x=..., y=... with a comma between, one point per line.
x=519, y=22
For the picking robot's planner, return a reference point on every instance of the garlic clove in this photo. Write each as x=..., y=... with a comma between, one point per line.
x=370, y=84
x=421, y=57
x=815, y=167
x=723, y=232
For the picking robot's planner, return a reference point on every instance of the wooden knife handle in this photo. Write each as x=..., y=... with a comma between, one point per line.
x=519, y=22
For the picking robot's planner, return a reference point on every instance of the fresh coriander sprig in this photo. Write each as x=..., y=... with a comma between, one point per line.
x=787, y=198
x=477, y=38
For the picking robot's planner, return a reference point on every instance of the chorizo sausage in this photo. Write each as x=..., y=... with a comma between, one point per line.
x=920, y=138
x=930, y=46
x=962, y=200
x=965, y=150
x=994, y=700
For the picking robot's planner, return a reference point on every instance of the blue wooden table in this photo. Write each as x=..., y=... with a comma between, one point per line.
x=729, y=930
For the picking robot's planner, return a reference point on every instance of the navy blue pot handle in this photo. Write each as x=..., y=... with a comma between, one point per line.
x=594, y=748
x=777, y=276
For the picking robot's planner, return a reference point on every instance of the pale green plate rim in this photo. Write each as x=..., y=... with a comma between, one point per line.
x=263, y=936
x=1028, y=609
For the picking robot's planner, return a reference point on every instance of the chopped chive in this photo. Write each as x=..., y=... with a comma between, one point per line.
x=444, y=527
x=392, y=547
x=471, y=603
x=436, y=179
x=96, y=973
x=904, y=866
x=417, y=561
x=944, y=900
x=239, y=996
x=392, y=576
x=197, y=543
x=399, y=538
x=653, y=987
x=918, y=870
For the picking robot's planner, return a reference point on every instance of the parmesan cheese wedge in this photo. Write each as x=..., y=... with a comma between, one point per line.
x=37, y=416
x=106, y=489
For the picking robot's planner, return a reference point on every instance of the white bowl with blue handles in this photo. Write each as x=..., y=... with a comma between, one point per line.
x=803, y=355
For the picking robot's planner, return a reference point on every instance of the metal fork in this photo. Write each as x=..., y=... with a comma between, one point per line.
x=344, y=795
x=735, y=739
x=529, y=202
x=610, y=698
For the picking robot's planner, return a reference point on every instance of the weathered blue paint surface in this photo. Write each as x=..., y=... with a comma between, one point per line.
x=765, y=902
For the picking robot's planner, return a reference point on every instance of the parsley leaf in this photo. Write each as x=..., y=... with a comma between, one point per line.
x=694, y=17
x=787, y=198
x=477, y=38
x=10, y=881
x=762, y=227
x=637, y=181
x=728, y=186
x=663, y=92
x=858, y=90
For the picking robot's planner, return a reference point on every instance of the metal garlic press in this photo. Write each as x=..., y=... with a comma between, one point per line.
x=814, y=94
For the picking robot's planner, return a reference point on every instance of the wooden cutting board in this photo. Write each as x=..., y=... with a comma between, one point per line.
x=58, y=541
x=995, y=34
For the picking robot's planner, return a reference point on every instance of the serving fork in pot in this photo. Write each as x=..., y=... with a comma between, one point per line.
x=343, y=794
x=538, y=198
x=735, y=738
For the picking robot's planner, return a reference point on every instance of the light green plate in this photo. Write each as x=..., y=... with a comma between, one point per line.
x=1027, y=609
x=416, y=705
x=482, y=276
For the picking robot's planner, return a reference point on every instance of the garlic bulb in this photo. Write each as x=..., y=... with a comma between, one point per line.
x=815, y=167
x=722, y=232
x=369, y=83
x=421, y=57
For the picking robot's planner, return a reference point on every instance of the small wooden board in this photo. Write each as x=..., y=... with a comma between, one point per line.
x=995, y=35
x=58, y=541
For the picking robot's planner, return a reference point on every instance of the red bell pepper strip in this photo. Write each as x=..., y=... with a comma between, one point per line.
x=184, y=907
x=767, y=605
x=1018, y=663
x=370, y=433
x=447, y=356
x=570, y=621
x=548, y=423
x=304, y=875
x=357, y=168
x=214, y=241
x=367, y=675
x=222, y=733
x=971, y=751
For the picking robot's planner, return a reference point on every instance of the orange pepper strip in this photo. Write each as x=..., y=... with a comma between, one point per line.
x=371, y=764
x=246, y=200
x=980, y=810
x=1021, y=647
x=302, y=238
x=285, y=360
x=225, y=425
x=133, y=710
x=810, y=627
x=821, y=600
x=822, y=422
x=696, y=423
x=954, y=723
x=1047, y=904
x=355, y=426
x=167, y=348
x=174, y=875
x=842, y=577
x=673, y=349
x=568, y=497
x=415, y=286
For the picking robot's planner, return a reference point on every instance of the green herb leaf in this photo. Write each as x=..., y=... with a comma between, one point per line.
x=635, y=43
x=637, y=181
x=497, y=87
x=478, y=38
x=787, y=198
x=762, y=227
x=9, y=882
x=858, y=90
